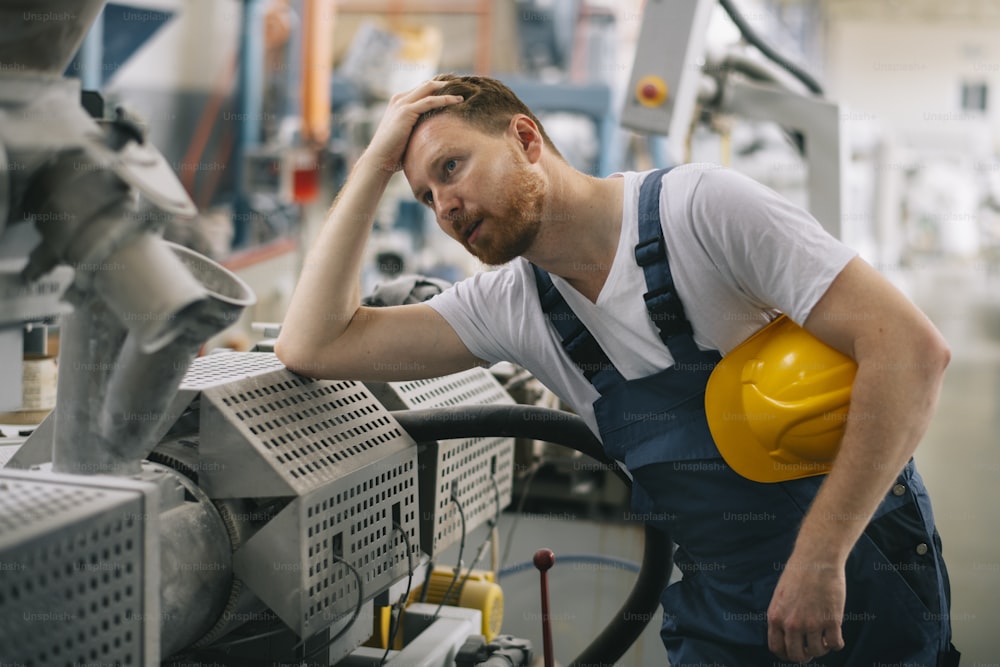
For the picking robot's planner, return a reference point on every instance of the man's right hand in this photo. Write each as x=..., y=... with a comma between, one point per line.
x=385, y=151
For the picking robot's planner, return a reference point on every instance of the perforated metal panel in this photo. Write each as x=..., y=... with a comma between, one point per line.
x=78, y=564
x=293, y=563
x=349, y=469
x=223, y=367
x=282, y=434
x=357, y=523
x=478, y=471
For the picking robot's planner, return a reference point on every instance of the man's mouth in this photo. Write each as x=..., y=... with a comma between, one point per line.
x=470, y=231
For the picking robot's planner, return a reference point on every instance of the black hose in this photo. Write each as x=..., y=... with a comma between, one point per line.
x=639, y=607
x=568, y=430
x=754, y=39
x=509, y=421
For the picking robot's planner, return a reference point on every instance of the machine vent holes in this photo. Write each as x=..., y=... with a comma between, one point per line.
x=68, y=589
x=215, y=369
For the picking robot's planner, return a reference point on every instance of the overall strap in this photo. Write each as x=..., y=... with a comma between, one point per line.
x=662, y=302
x=579, y=343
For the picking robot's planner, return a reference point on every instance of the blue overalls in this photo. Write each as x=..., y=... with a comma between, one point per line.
x=733, y=535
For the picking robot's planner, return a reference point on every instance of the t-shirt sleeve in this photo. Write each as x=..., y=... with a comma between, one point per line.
x=776, y=253
x=479, y=309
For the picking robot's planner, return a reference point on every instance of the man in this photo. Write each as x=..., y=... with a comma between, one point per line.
x=796, y=570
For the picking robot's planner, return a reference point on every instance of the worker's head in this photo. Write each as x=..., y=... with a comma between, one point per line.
x=489, y=105
x=478, y=165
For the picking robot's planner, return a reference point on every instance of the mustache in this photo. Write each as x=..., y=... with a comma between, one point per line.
x=460, y=220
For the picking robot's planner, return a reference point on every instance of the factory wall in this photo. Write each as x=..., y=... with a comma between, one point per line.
x=926, y=165
x=908, y=76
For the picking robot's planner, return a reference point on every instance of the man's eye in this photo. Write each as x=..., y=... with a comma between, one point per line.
x=450, y=166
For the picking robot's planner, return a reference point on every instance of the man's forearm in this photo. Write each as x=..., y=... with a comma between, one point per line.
x=328, y=292
x=891, y=407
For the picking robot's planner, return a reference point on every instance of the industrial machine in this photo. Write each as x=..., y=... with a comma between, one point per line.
x=677, y=82
x=179, y=508
x=174, y=508
x=167, y=500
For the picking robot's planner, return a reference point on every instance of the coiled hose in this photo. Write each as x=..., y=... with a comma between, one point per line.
x=568, y=430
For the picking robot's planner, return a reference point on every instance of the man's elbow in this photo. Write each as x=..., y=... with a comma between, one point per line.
x=294, y=356
x=285, y=352
x=941, y=351
x=932, y=350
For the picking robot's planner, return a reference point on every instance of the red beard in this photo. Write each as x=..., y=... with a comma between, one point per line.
x=510, y=232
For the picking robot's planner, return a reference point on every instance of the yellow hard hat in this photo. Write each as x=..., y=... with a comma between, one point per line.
x=777, y=403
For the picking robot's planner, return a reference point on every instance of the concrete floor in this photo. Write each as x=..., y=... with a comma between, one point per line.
x=960, y=455
x=959, y=460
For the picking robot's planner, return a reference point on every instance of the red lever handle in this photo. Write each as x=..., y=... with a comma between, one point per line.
x=545, y=559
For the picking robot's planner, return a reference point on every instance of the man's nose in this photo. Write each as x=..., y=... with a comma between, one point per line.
x=448, y=205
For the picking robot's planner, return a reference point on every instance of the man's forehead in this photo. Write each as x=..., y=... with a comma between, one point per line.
x=437, y=132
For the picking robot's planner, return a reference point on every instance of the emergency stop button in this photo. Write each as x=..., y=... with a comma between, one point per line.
x=651, y=91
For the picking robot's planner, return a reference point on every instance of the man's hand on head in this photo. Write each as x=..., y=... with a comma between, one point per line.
x=393, y=133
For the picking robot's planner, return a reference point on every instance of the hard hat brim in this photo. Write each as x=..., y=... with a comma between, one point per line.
x=736, y=441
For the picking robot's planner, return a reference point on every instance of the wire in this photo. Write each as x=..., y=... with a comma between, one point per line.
x=492, y=523
x=458, y=566
x=496, y=499
x=357, y=611
x=753, y=38
x=495, y=532
x=427, y=580
x=398, y=621
x=243, y=640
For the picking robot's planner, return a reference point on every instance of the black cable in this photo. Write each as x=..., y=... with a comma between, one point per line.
x=427, y=580
x=243, y=640
x=186, y=656
x=458, y=565
x=357, y=612
x=496, y=499
x=754, y=39
x=496, y=519
x=394, y=626
x=489, y=538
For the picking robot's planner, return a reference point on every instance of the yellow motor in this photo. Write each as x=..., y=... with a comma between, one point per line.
x=479, y=591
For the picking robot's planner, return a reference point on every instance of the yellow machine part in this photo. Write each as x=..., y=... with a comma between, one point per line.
x=480, y=591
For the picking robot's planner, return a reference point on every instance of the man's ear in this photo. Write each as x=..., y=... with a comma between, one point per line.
x=528, y=136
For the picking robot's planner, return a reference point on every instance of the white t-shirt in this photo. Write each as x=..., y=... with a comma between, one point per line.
x=738, y=253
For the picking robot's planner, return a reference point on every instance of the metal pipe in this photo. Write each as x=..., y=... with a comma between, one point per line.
x=148, y=288
x=113, y=390
x=143, y=384
x=196, y=571
x=249, y=98
x=89, y=339
x=317, y=55
x=92, y=56
x=139, y=393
